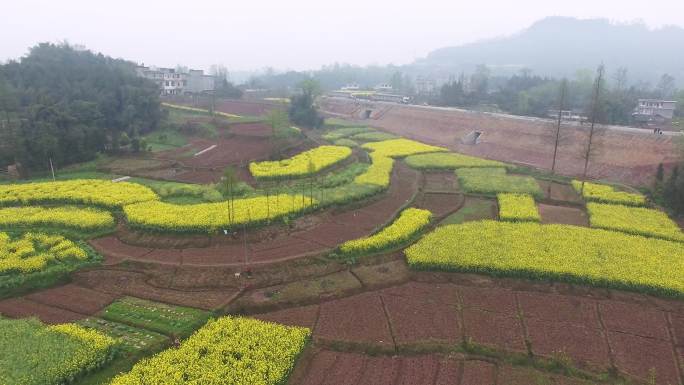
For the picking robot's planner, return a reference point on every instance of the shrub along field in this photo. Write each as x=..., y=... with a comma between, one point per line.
x=238, y=351
x=491, y=181
x=449, y=161
x=594, y=192
x=517, y=207
x=634, y=220
x=35, y=354
x=556, y=252
x=406, y=226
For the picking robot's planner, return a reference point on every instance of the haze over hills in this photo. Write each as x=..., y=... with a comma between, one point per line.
x=559, y=46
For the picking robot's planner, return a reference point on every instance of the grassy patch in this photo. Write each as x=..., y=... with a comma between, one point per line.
x=491, y=181
x=344, y=132
x=555, y=252
x=165, y=319
x=346, y=142
x=338, y=123
x=473, y=209
x=373, y=136
x=132, y=339
x=165, y=139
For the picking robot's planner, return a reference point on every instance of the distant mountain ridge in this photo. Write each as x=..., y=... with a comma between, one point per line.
x=559, y=46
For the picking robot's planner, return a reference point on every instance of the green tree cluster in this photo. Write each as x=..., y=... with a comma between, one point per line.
x=303, y=111
x=67, y=104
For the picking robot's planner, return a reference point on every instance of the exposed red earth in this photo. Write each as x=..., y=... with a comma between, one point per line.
x=624, y=156
x=246, y=108
x=595, y=329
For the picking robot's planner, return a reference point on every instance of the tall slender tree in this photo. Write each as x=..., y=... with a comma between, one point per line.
x=595, y=105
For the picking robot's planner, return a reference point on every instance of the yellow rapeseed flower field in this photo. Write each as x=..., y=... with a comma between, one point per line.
x=449, y=161
x=378, y=173
x=229, y=350
x=409, y=223
x=595, y=192
x=303, y=164
x=33, y=252
x=78, y=191
x=517, y=207
x=398, y=148
x=36, y=354
x=634, y=220
x=560, y=252
x=61, y=217
x=213, y=217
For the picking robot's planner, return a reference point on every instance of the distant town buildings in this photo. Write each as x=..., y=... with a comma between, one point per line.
x=654, y=112
x=383, y=88
x=567, y=115
x=174, y=82
x=351, y=87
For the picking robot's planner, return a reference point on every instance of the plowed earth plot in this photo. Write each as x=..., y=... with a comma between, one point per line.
x=336, y=368
x=591, y=330
x=563, y=215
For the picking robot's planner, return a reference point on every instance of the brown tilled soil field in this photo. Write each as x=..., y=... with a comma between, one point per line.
x=407, y=332
x=622, y=156
x=245, y=108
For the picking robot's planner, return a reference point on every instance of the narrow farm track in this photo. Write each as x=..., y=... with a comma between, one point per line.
x=322, y=237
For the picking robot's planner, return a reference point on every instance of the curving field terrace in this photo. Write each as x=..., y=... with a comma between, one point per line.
x=333, y=229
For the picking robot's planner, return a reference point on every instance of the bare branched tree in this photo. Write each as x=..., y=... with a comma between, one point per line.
x=595, y=108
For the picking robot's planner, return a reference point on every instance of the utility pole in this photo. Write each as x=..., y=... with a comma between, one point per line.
x=561, y=105
x=52, y=169
x=594, y=113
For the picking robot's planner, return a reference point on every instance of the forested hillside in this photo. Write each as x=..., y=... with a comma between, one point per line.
x=68, y=104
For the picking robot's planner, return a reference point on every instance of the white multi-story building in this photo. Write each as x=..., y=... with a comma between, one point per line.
x=648, y=109
x=173, y=82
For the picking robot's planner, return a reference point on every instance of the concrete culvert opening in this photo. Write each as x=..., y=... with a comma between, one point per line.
x=367, y=114
x=472, y=138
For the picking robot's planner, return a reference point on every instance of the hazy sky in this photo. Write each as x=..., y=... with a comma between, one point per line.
x=291, y=34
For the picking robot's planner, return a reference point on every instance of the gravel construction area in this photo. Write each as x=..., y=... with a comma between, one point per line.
x=523, y=140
